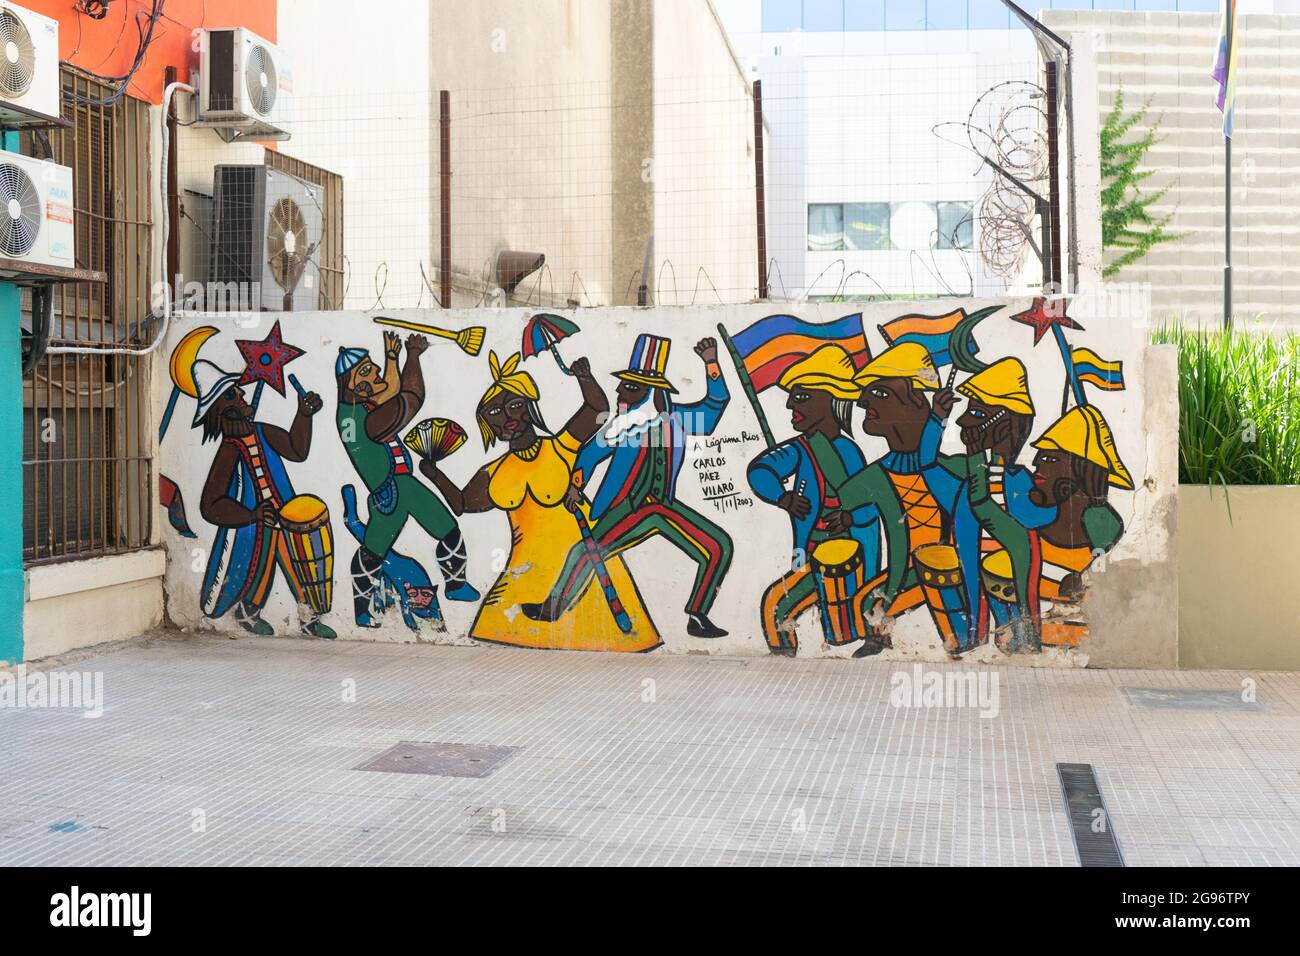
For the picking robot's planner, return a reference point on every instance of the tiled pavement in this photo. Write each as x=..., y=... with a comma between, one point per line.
x=213, y=751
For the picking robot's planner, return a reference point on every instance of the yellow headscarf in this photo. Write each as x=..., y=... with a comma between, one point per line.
x=505, y=378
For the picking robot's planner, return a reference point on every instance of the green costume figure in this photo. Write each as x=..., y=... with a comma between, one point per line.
x=374, y=406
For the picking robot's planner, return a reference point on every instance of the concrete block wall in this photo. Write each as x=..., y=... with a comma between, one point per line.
x=1165, y=58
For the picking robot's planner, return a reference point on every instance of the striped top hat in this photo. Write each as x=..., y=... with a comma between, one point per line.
x=649, y=360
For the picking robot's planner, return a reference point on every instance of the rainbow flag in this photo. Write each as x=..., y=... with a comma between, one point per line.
x=771, y=345
x=932, y=331
x=1091, y=368
x=1225, y=65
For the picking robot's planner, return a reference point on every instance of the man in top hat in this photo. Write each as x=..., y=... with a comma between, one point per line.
x=801, y=476
x=903, y=484
x=246, y=488
x=645, y=444
x=375, y=404
x=1075, y=466
x=992, y=495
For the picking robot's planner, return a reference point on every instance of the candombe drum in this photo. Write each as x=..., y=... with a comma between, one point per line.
x=305, y=522
x=941, y=583
x=838, y=568
x=999, y=583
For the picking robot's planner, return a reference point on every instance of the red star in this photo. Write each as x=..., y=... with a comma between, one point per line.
x=264, y=361
x=1040, y=317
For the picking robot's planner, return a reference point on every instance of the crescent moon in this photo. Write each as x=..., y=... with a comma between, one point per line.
x=962, y=358
x=181, y=364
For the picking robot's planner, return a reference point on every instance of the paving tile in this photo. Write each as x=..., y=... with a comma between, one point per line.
x=245, y=752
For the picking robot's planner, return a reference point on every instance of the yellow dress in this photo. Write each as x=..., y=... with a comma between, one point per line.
x=531, y=491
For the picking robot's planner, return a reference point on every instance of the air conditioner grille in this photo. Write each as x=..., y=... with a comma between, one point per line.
x=17, y=56
x=260, y=79
x=286, y=243
x=20, y=212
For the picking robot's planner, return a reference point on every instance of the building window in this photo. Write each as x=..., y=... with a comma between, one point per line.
x=823, y=16
x=864, y=14
x=826, y=227
x=945, y=14
x=87, y=472
x=782, y=16
x=866, y=226
x=956, y=226
x=882, y=226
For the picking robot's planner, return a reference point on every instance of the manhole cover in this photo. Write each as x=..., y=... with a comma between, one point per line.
x=444, y=760
x=1188, y=698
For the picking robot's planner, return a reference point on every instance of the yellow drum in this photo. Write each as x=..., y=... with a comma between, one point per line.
x=939, y=571
x=305, y=522
x=838, y=567
x=1016, y=632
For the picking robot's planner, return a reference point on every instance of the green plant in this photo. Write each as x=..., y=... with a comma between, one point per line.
x=1239, y=406
x=1126, y=220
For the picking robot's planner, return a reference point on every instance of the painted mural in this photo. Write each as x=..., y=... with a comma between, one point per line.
x=778, y=483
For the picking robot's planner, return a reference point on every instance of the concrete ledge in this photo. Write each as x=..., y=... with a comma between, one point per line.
x=73, y=577
x=1239, y=606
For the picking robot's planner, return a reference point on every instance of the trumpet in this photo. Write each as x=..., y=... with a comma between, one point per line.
x=470, y=340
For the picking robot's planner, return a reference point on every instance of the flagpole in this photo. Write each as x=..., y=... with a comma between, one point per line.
x=747, y=384
x=1227, y=182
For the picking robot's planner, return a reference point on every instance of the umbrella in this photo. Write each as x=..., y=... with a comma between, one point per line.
x=541, y=334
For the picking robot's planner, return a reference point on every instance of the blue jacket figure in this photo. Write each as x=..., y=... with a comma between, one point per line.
x=802, y=476
x=645, y=445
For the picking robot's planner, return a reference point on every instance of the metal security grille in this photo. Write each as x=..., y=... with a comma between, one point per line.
x=87, y=471
x=329, y=256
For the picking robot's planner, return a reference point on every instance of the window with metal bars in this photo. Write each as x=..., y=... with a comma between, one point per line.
x=87, y=471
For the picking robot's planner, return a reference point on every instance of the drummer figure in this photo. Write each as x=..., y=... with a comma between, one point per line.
x=801, y=476
x=900, y=484
x=246, y=489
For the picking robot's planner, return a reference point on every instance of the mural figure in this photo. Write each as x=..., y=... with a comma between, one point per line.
x=530, y=482
x=374, y=405
x=645, y=445
x=817, y=462
x=992, y=497
x=170, y=497
x=1075, y=466
x=899, y=485
x=262, y=523
x=402, y=580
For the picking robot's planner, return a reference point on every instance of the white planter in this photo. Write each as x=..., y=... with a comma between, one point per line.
x=1239, y=577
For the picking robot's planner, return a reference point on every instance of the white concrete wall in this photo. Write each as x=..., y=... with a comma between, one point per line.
x=703, y=163
x=1165, y=58
x=852, y=117
x=1137, y=621
x=82, y=603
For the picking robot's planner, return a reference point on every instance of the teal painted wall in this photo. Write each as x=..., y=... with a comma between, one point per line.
x=12, y=589
x=11, y=475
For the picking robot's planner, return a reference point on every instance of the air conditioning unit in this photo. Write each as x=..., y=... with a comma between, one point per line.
x=245, y=85
x=29, y=68
x=266, y=235
x=36, y=211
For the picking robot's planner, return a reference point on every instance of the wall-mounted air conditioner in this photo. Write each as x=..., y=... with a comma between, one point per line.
x=36, y=211
x=266, y=235
x=245, y=85
x=29, y=68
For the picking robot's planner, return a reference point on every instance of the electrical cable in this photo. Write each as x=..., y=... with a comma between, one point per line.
x=146, y=37
x=165, y=289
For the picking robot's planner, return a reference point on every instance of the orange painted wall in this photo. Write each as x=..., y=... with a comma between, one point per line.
x=108, y=46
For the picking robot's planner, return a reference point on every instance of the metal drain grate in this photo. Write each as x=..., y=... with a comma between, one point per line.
x=1093, y=829
x=439, y=759
x=1188, y=698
